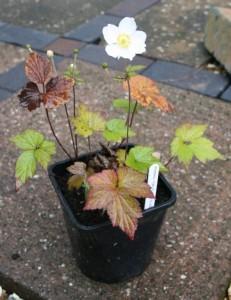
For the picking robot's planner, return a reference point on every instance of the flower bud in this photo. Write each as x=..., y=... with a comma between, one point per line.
x=50, y=53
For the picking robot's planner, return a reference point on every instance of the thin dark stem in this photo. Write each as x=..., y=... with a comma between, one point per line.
x=70, y=128
x=74, y=114
x=89, y=143
x=133, y=114
x=53, y=132
x=169, y=161
x=128, y=117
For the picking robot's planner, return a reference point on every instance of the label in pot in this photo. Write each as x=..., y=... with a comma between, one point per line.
x=153, y=175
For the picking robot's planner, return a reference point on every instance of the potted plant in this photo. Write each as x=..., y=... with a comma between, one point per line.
x=104, y=192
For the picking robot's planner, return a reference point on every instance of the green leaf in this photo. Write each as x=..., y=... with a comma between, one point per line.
x=28, y=140
x=124, y=104
x=73, y=73
x=87, y=122
x=182, y=151
x=116, y=129
x=203, y=150
x=187, y=132
x=189, y=142
x=141, y=158
x=35, y=150
x=44, y=153
x=132, y=70
x=25, y=166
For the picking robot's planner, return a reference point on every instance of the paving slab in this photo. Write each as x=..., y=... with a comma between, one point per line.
x=53, y=16
x=91, y=30
x=96, y=54
x=176, y=29
x=4, y=94
x=192, y=257
x=227, y=95
x=14, y=79
x=188, y=78
x=22, y=36
x=64, y=47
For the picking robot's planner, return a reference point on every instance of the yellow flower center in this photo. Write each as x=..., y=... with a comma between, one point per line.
x=124, y=40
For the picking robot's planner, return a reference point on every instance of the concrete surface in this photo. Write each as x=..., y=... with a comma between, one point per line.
x=192, y=257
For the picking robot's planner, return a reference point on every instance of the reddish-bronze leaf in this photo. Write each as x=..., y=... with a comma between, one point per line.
x=115, y=192
x=133, y=183
x=38, y=68
x=30, y=96
x=58, y=91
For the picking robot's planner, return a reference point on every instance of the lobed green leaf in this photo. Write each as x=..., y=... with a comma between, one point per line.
x=189, y=143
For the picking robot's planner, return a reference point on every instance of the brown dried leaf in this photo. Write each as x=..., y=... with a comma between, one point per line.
x=145, y=91
x=38, y=68
x=115, y=192
x=30, y=96
x=58, y=91
x=78, y=169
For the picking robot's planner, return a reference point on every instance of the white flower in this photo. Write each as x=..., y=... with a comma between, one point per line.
x=124, y=40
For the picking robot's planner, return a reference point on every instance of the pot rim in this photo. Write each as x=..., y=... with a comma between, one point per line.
x=74, y=219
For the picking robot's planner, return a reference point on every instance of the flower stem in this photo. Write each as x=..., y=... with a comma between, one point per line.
x=70, y=128
x=89, y=143
x=54, y=134
x=74, y=114
x=133, y=114
x=128, y=117
x=169, y=161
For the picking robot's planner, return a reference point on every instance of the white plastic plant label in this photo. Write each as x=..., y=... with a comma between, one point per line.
x=153, y=175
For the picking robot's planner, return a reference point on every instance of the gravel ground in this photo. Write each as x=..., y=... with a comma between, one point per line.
x=176, y=29
x=192, y=257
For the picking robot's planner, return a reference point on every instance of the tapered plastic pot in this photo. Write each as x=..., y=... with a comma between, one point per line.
x=103, y=252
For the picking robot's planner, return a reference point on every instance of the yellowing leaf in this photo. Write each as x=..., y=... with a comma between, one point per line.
x=203, y=150
x=28, y=140
x=25, y=166
x=120, y=155
x=87, y=122
x=115, y=192
x=187, y=132
x=189, y=142
x=78, y=169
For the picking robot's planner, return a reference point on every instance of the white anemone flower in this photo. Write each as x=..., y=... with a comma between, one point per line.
x=124, y=40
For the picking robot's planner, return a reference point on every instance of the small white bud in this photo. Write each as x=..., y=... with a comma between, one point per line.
x=72, y=66
x=50, y=53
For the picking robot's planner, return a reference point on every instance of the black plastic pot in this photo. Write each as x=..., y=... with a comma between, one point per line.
x=104, y=253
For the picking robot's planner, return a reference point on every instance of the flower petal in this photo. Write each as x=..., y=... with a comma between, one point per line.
x=140, y=35
x=127, y=53
x=112, y=50
x=127, y=25
x=110, y=33
x=138, y=44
